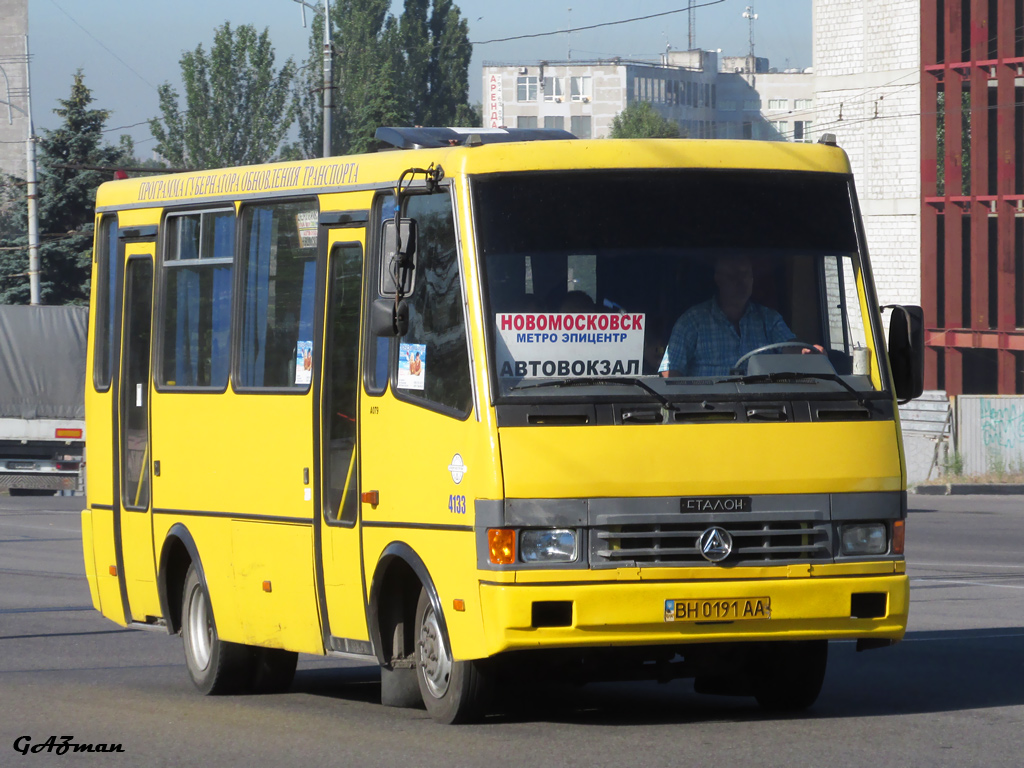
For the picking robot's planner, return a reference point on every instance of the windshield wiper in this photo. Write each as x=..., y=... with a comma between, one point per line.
x=591, y=380
x=780, y=376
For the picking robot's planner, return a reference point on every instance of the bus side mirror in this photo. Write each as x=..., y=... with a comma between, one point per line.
x=398, y=269
x=386, y=319
x=906, y=351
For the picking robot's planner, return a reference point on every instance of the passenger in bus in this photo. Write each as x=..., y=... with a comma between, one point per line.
x=710, y=337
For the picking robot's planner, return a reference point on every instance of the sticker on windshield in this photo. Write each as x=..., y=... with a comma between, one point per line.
x=545, y=345
x=304, y=362
x=412, y=365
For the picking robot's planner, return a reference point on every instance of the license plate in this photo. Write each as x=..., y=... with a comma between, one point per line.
x=719, y=609
x=21, y=465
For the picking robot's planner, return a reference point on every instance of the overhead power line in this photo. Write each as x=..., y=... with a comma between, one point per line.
x=595, y=26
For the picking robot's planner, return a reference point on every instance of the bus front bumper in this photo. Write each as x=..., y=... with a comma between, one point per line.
x=566, y=615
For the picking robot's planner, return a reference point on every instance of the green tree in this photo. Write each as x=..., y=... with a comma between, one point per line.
x=67, y=194
x=640, y=120
x=437, y=53
x=369, y=73
x=238, y=106
x=366, y=65
x=387, y=71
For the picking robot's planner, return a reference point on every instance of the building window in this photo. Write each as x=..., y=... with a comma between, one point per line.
x=781, y=128
x=751, y=105
x=580, y=88
x=526, y=88
x=579, y=126
x=553, y=89
x=801, y=130
x=804, y=103
x=526, y=121
x=196, y=306
x=554, y=122
x=778, y=103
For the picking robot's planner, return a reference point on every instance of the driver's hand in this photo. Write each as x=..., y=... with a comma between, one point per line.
x=820, y=349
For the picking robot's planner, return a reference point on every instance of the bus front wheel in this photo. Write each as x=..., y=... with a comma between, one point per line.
x=215, y=666
x=452, y=691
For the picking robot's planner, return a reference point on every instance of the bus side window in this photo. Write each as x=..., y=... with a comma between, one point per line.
x=278, y=265
x=108, y=286
x=196, y=304
x=375, y=364
x=433, y=361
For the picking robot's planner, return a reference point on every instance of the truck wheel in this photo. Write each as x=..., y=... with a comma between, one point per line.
x=215, y=666
x=787, y=676
x=452, y=691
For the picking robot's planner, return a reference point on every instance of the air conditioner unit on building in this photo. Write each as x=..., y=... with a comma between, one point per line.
x=558, y=99
x=586, y=99
x=522, y=70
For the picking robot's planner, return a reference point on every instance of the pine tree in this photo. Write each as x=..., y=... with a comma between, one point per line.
x=238, y=106
x=67, y=195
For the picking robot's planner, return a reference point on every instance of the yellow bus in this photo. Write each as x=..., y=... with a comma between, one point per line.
x=448, y=409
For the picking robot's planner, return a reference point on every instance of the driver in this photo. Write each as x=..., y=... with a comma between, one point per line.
x=710, y=337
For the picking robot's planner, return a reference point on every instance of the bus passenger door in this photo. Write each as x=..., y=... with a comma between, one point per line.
x=343, y=594
x=133, y=460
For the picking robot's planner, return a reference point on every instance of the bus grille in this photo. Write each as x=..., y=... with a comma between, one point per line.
x=675, y=544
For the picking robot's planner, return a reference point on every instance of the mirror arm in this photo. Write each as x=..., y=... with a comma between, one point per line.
x=434, y=174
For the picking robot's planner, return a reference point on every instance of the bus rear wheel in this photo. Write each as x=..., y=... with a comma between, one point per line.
x=452, y=691
x=215, y=666
x=788, y=675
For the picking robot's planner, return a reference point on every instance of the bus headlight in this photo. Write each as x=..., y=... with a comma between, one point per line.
x=554, y=545
x=863, y=539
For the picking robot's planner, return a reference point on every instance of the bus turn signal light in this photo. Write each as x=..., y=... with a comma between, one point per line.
x=898, y=534
x=502, y=543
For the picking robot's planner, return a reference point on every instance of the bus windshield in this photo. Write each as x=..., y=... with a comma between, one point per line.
x=671, y=283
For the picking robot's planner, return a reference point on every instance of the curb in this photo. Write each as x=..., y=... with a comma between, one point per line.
x=970, y=489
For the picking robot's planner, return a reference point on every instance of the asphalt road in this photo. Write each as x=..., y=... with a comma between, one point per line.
x=952, y=694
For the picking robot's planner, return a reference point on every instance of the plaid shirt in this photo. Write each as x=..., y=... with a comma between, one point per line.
x=705, y=343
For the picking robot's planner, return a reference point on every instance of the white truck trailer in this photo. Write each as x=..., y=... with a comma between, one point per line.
x=42, y=399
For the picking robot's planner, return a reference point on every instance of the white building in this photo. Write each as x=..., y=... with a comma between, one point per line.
x=686, y=87
x=867, y=91
x=583, y=97
x=757, y=102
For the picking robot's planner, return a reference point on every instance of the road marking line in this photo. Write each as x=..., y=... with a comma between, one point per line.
x=915, y=564
x=968, y=583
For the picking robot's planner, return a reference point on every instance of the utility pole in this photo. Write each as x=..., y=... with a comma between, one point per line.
x=751, y=16
x=328, y=76
x=692, y=19
x=33, y=209
x=568, y=36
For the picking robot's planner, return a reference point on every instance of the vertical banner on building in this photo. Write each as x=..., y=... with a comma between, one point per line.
x=495, y=104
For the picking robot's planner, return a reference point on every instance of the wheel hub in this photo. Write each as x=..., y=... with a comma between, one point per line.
x=435, y=663
x=200, y=628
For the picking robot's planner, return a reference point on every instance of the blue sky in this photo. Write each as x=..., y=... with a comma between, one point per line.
x=126, y=49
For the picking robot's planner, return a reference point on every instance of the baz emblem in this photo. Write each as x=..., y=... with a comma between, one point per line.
x=457, y=468
x=715, y=544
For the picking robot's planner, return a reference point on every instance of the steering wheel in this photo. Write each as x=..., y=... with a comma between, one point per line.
x=768, y=348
